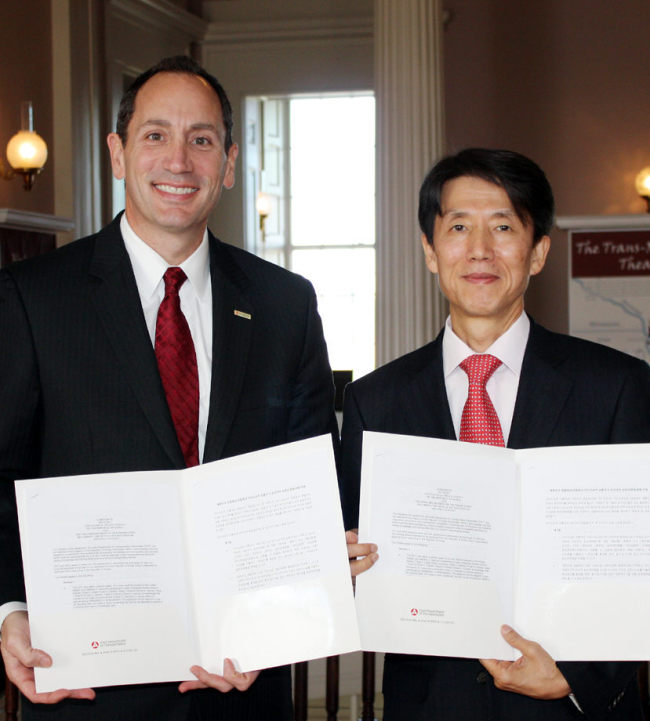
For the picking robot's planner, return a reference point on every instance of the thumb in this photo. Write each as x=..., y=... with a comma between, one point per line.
x=513, y=638
x=30, y=657
x=351, y=537
x=37, y=658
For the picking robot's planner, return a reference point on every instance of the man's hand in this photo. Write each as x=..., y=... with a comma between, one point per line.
x=533, y=674
x=20, y=659
x=230, y=679
x=362, y=555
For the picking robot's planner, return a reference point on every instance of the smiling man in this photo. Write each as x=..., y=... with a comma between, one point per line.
x=494, y=376
x=175, y=154
x=152, y=345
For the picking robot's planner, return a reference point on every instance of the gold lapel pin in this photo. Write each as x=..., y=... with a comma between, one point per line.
x=241, y=314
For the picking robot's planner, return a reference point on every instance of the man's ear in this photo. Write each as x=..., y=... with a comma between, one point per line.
x=116, y=150
x=430, y=257
x=229, y=175
x=539, y=253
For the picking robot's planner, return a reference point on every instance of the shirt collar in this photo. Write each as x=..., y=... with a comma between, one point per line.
x=509, y=348
x=149, y=267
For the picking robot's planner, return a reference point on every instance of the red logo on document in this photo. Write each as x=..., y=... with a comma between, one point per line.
x=95, y=644
x=414, y=612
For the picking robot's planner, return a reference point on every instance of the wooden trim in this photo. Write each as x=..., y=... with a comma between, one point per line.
x=261, y=32
x=162, y=14
x=603, y=222
x=34, y=222
x=300, y=679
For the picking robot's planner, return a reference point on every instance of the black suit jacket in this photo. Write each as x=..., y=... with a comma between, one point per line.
x=81, y=393
x=571, y=392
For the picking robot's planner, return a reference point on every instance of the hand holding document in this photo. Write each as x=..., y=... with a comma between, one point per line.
x=533, y=674
x=553, y=541
x=136, y=577
x=20, y=659
x=362, y=555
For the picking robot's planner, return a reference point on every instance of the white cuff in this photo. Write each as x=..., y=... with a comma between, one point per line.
x=10, y=607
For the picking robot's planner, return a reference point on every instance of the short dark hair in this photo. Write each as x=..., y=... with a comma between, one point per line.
x=523, y=180
x=176, y=64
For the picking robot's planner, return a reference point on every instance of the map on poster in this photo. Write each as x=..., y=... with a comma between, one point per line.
x=609, y=292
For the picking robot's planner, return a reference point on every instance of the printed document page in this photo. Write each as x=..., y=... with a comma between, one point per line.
x=553, y=541
x=444, y=518
x=584, y=590
x=135, y=577
x=271, y=573
x=106, y=581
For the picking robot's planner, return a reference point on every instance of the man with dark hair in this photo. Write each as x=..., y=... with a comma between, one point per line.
x=523, y=181
x=494, y=376
x=152, y=345
x=176, y=64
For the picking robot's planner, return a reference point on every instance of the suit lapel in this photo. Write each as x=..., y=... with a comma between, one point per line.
x=426, y=408
x=541, y=396
x=543, y=390
x=118, y=306
x=233, y=319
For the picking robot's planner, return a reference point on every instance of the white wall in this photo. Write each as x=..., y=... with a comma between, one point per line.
x=276, y=55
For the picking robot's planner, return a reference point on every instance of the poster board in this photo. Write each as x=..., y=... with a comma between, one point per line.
x=609, y=284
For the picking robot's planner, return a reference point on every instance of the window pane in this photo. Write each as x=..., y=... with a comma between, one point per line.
x=344, y=280
x=332, y=170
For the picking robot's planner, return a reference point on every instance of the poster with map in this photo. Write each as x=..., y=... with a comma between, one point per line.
x=609, y=291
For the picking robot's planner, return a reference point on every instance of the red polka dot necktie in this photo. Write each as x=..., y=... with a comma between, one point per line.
x=177, y=365
x=479, y=422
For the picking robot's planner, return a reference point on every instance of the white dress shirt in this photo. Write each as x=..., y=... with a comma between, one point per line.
x=504, y=382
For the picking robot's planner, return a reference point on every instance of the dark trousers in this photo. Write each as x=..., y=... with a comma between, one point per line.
x=268, y=699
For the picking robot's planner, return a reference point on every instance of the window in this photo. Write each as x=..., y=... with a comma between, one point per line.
x=314, y=159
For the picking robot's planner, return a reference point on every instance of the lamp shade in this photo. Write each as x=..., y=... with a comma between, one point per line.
x=26, y=151
x=642, y=183
x=263, y=204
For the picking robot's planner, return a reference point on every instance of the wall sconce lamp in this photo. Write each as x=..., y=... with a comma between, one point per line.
x=642, y=184
x=263, y=207
x=26, y=151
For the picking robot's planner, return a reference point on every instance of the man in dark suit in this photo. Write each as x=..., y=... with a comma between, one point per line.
x=84, y=389
x=485, y=216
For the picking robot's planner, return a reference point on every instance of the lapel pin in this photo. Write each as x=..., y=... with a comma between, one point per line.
x=241, y=314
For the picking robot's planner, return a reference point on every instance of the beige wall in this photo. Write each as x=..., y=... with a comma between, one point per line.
x=565, y=83
x=25, y=51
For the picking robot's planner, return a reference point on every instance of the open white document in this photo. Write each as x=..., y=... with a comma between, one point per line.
x=553, y=541
x=135, y=577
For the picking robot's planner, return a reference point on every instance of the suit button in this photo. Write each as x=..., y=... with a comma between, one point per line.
x=482, y=677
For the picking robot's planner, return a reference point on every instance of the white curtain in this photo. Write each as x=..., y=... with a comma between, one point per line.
x=410, y=132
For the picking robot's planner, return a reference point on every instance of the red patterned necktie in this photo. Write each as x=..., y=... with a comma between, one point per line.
x=479, y=422
x=177, y=365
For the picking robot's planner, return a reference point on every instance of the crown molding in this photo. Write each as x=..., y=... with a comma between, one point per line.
x=258, y=32
x=34, y=222
x=639, y=221
x=162, y=14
